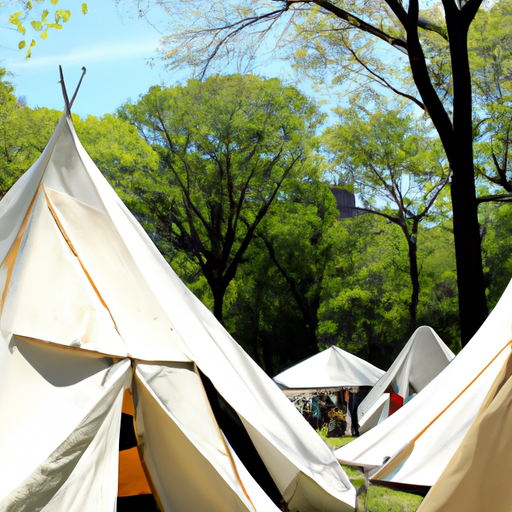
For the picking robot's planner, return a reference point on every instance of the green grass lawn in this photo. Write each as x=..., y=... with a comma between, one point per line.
x=378, y=499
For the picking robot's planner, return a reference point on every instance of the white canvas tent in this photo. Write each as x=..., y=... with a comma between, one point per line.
x=331, y=368
x=478, y=475
x=414, y=445
x=423, y=357
x=90, y=309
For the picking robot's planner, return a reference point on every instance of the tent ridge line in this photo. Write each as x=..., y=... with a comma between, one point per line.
x=75, y=253
x=405, y=450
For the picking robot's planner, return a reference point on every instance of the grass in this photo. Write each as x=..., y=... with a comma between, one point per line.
x=378, y=499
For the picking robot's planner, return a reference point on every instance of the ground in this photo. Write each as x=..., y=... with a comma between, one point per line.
x=378, y=499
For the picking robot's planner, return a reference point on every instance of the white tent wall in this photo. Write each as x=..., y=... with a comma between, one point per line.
x=78, y=270
x=60, y=428
x=423, y=357
x=420, y=438
x=173, y=418
x=477, y=476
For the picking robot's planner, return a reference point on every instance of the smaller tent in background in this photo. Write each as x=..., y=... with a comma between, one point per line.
x=477, y=476
x=327, y=387
x=424, y=356
x=331, y=368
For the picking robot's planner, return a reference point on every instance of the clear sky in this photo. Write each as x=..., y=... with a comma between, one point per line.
x=113, y=48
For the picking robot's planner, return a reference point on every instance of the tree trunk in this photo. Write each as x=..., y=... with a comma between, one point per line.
x=218, y=302
x=415, y=281
x=466, y=230
x=470, y=276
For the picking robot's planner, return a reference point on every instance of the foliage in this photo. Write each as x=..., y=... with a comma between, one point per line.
x=36, y=17
x=24, y=134
x=491, y=58
x=497, y=240
x=350, y=37
x=281, y=285
x=227, y=145
x=397, y=170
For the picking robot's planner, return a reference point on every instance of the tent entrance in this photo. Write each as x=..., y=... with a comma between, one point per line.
x=134, y=492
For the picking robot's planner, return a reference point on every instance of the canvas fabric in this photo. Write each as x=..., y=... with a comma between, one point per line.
x=331, y=368
x=87, y=302
x=423, y=357
x=475, y=478
x=414, y=445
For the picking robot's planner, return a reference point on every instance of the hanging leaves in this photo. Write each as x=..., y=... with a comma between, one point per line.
x=40, y=21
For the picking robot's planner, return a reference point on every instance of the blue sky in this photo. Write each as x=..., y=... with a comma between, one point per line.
x=113, y=48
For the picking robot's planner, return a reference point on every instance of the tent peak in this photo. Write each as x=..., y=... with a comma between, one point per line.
x=67, y=102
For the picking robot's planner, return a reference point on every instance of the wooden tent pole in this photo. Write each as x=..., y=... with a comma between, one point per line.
x=68, y=103
x=78, y=86
x=64, y=92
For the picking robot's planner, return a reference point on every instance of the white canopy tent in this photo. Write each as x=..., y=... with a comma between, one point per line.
x=331, y=368
x=414, y=445
x=90, y=309
x=423, y=357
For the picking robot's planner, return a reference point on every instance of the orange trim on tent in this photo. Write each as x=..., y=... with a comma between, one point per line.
x=11, y=256
x=404, y=452
x=74, y=251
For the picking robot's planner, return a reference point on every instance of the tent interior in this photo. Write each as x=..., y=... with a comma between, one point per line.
x=327, y=388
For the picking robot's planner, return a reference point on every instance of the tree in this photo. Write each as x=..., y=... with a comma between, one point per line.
x=491, y=59
x=209, y=31
x=24, y=134
x=397, y=170
x=226, y=145
x=300, y=240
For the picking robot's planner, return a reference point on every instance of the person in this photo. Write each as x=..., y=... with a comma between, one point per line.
x=353, y=404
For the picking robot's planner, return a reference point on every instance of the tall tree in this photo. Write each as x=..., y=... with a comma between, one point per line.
x=397, y=170
x=208, y=31
x=227, y=145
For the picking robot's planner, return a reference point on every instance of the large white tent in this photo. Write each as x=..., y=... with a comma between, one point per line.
x=414, y=445
x=477, y=476
x=331, y=368
x=423, y=357
x=90, y=313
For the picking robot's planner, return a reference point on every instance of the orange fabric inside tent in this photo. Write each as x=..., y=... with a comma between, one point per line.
x=132, y=479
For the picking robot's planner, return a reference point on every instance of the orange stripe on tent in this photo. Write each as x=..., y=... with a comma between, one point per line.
x=74, y=251
x=404, y=452
x=10, y=259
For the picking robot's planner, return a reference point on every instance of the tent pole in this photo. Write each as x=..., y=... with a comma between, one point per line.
x=77, y=87
x=64, y=92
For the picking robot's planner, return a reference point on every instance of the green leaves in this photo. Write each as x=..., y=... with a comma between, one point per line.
x=41, y=24
x=14, y=19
